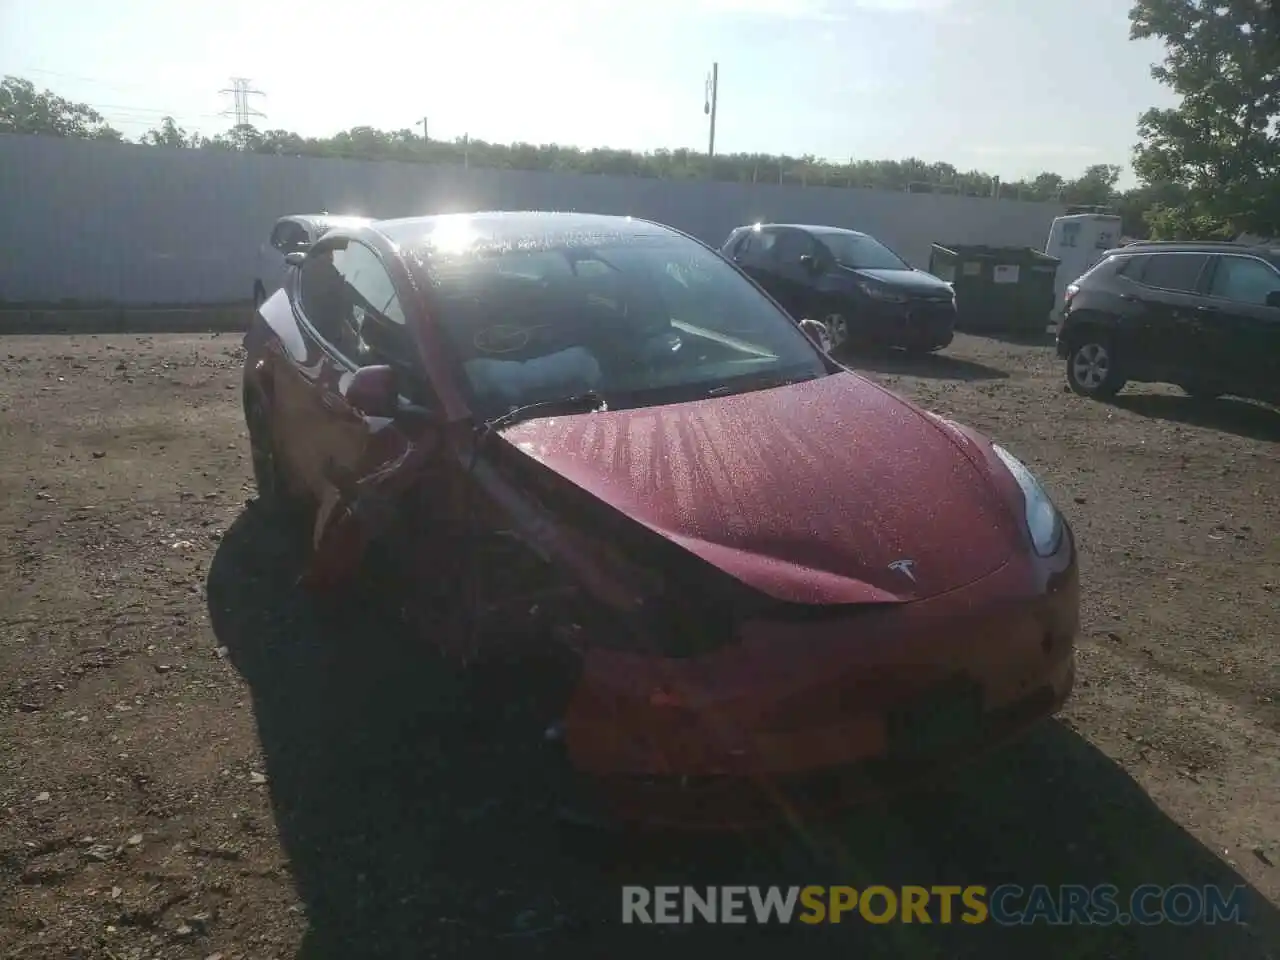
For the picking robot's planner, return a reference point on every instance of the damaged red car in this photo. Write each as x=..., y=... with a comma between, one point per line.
x=768, y=584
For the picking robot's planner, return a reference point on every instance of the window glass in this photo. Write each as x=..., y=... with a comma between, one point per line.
x=1244, y=280
x=371, y=284
x=792, y=245
x=1132, y=266
x=1174, y=271
x=643, y=322
x=862, y=252
x=763, y=243
x=288, y=235
x=325, y=298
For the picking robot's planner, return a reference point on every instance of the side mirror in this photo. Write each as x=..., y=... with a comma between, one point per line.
x=372, y=390
x=294, y=258
x=817, y=333
x=809, y=262
x=1273, y=299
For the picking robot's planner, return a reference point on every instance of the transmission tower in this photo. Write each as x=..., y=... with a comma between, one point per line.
x=241, y=92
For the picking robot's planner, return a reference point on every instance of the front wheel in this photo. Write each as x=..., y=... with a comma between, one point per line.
x=837, y=327
x=275, y=498
x=1092, y=370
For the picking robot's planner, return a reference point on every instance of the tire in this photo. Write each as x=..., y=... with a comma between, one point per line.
x=837, y=326
x=1092, y=370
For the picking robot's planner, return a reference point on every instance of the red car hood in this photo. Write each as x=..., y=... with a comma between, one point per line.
x=810, y=493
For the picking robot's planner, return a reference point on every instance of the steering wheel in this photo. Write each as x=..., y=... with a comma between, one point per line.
x=504, y=338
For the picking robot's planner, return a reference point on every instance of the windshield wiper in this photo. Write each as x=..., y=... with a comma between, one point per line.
x=589, y=402
x=747, y=384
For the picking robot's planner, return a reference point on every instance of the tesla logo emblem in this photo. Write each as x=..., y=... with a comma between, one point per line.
x=905, y=567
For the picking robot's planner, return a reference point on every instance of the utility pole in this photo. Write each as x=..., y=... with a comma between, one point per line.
x=241, y=92
x=423, y=121
x=709, y=106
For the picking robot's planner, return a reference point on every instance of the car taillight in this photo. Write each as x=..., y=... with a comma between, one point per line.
x=1072, y=290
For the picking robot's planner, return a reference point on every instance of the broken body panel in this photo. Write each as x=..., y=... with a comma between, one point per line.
x=724, y=578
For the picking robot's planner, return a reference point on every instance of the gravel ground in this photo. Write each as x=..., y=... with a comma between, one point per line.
x=194, y=764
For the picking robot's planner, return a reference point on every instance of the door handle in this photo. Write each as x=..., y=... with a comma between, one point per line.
x=1206, y=309
x=1128, y=296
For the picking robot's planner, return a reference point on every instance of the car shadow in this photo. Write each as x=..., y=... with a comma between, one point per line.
x=931, y=366
x=1019, y=337
x=1253, y=421
x=415, y=830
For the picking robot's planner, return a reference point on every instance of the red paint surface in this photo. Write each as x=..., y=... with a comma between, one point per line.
x=806, y=492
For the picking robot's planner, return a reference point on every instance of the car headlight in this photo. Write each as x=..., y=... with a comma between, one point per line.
x=878, y=292
x=1044, y=522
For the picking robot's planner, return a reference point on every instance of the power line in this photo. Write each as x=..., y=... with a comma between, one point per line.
x=120, y=108
x=241, y=92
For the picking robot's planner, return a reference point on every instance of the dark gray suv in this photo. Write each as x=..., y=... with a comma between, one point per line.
x=857, y=288
x=1204, y=316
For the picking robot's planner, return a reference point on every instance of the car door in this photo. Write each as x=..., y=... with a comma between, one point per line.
x=1162, y=337
x=366, y=465
x=754, y=254
x=793, y=271
x=1241, y=332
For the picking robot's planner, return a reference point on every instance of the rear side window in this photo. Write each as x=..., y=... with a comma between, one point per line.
x=288, y=235
x=1131, y=267
x=1174, y=271
x=1244, y=280
x=761, y=242
x=792, y=245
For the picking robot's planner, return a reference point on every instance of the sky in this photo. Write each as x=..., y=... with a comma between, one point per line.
x=1007, y=86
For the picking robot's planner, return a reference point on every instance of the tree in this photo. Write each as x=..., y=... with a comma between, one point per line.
x=24, y=110
x=243, y=136
x=1096, y=187
x=169, y=134
x=1220, y=143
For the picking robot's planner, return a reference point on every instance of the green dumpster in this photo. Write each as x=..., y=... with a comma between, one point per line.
x=1006, y=289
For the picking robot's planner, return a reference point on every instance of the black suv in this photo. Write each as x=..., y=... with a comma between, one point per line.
x=1204, y=316
x=856, y=287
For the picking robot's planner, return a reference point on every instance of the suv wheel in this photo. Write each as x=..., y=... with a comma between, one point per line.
x=1092, y=369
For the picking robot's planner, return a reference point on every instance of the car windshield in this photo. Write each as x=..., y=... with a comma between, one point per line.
x=641, y=322
x=862, y=252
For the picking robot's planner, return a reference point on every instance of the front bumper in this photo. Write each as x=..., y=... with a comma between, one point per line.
x=801, y=716
x=914, y=325
x=723, y=802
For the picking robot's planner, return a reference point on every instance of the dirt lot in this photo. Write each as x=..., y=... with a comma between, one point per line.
x=192, y=765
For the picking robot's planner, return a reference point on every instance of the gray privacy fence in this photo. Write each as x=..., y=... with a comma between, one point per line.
x=132, y=225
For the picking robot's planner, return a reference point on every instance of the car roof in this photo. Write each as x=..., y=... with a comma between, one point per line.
x=525, y=229
x=1263, y=251
x=328, y=221
x=814, y=228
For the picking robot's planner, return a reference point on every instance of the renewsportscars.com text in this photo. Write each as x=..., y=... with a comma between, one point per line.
x=1006, y=905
